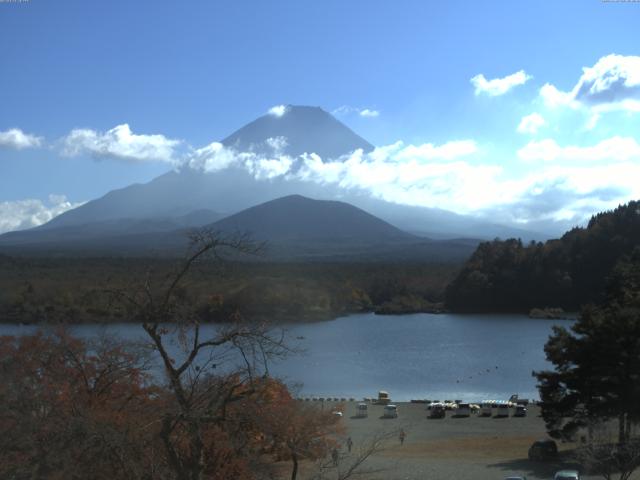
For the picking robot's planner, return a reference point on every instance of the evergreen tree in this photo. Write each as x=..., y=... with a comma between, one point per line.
x=597, y=361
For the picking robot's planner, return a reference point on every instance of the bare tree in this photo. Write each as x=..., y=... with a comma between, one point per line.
x=354, y=465
x=608, y=458
x=213, y=372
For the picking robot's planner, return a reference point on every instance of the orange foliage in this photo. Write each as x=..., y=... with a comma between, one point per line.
x=73, y=410
x=67, y=410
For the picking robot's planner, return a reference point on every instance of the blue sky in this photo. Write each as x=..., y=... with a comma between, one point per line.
x=193, y=72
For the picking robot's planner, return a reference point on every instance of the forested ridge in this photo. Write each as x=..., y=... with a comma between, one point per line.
x=75, y=290
x=568, y=272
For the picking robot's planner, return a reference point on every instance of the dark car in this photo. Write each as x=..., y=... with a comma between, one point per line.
x=437, y=411
x=544, y=449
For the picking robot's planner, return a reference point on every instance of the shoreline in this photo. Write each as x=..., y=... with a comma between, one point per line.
x=305, y=320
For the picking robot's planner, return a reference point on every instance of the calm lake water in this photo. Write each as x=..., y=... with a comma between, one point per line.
x=444, y=356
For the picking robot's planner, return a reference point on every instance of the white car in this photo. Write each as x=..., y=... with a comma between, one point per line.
x=567, y=475
x=485, y=409
x=502, y=410
x=390, y=411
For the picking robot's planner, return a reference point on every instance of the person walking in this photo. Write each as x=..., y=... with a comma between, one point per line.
x=349, y=444
x=334, y=457
x=402, y=436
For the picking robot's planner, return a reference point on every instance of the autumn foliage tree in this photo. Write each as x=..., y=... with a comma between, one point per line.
x=294, y=430
x=72, y=410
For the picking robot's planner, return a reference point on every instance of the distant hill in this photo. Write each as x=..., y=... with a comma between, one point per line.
x=300, y=228
x=300, y=219
x=568, y=272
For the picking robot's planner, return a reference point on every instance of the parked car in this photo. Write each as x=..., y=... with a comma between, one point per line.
x=567, y=475
x=485, y=409
x=437, y=411
x=462, y=410
x=502, y=410
x=390, y=411
x=516, y=478
x=544, y=449
x=521, y=411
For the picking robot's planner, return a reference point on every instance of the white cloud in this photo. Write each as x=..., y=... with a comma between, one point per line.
x=345, y=110
x=414, y=174
x=212, y=157
x=567, y=182
x=122, y=144
x=531, y=123
x=614, y=149
x=592, y=122
x=613, y=83
x=613, y=78
x=369, y=113
x=499, y=86
x=575, y=192
x=277, y=144
x=446, y=151
x=394, y=175
x=215, y=157
x=278, y=110
x=263, y=168
x=553, y=97
x=22, y=214
x=544, y=150
x=16, y=138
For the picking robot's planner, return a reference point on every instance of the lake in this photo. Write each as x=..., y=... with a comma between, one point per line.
x=444, y=356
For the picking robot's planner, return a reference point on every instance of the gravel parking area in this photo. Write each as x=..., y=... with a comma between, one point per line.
x=452, y=448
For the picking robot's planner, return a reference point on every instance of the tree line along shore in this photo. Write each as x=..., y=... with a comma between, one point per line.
x=71, y=290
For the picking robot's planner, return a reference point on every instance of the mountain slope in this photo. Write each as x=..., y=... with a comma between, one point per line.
x=305, y=129
x=98, y=231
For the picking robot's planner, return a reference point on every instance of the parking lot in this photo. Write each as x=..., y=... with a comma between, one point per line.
x=453, y=448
